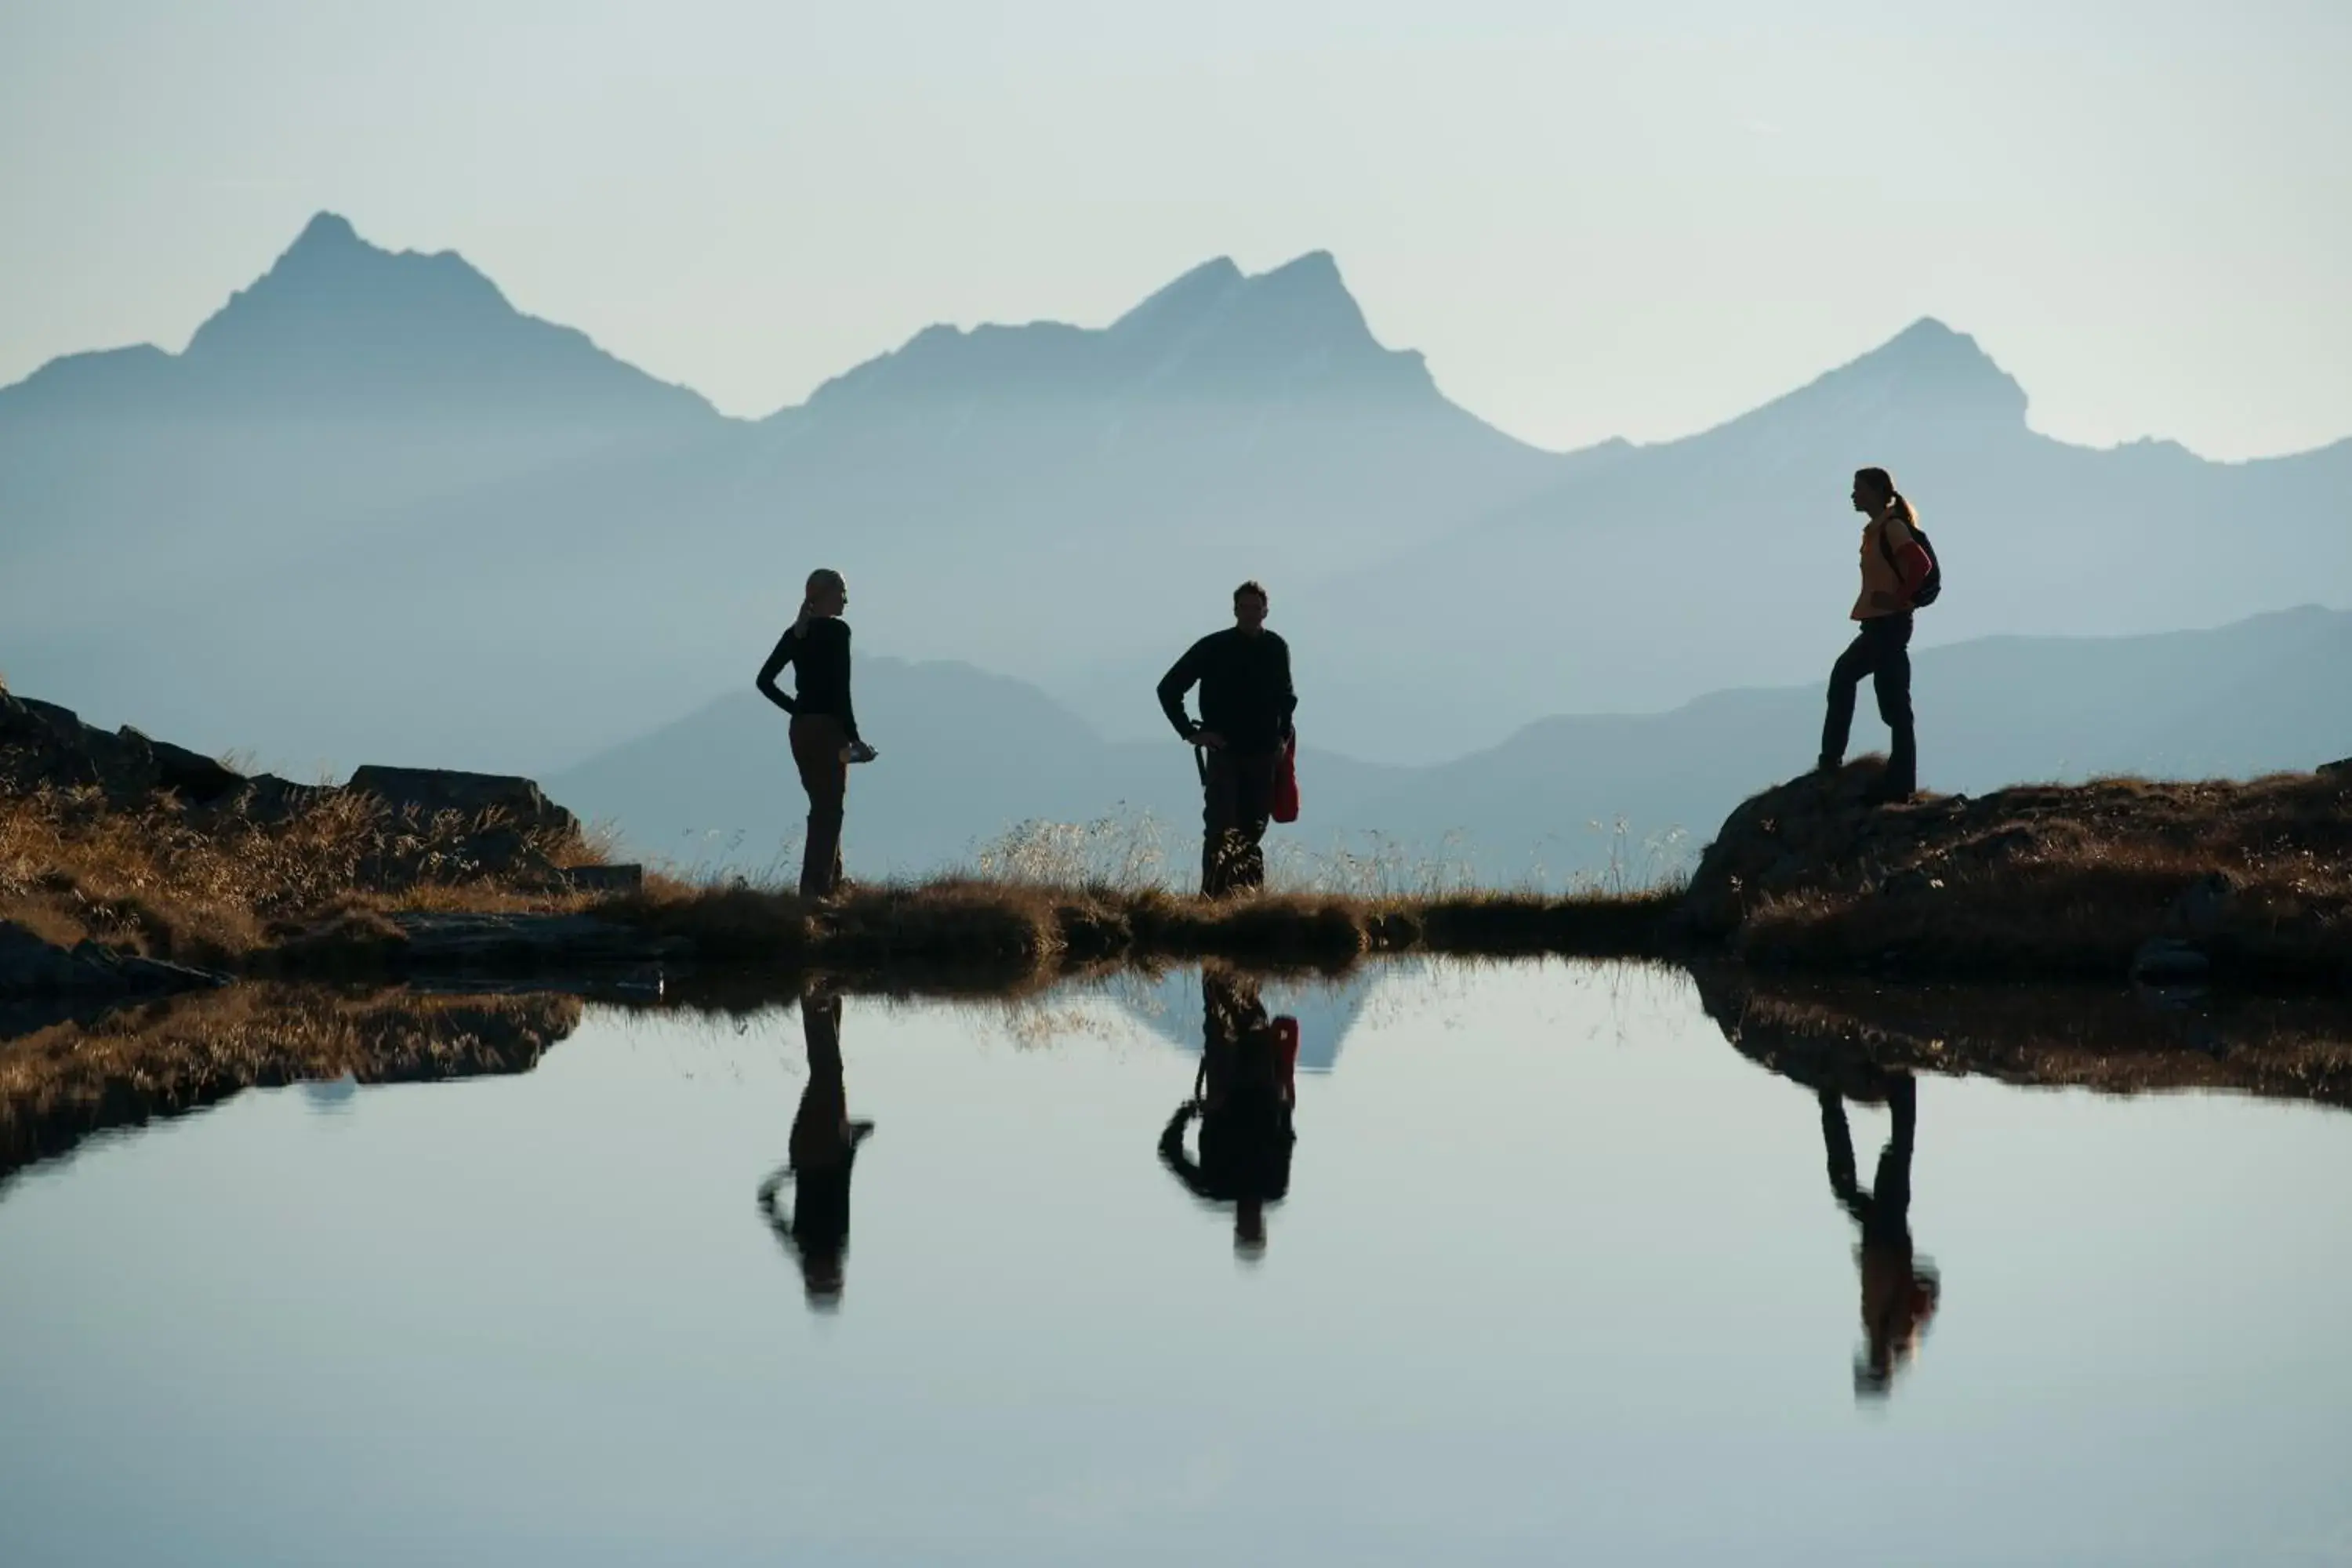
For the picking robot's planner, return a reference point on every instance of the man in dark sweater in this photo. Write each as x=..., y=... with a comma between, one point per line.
x=1246, y=702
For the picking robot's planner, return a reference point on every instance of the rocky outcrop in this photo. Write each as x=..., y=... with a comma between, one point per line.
x=41, y=743
x=438, y=823
x=1819, y=834
x=2170, y=884
x=428, y=792
x=30, y=967
x=526, y=943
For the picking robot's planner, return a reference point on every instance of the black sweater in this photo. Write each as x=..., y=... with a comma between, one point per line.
x=820, y=658
x=1245, y=692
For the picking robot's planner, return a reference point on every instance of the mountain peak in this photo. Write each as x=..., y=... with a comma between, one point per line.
x=340, y=322
x=330, y=284
x=328, y=231
x=1928, y=372
x=1184, y=300
x=1927, y=354
x=1213, y=333
x=1314, y=268
x=1217, y=329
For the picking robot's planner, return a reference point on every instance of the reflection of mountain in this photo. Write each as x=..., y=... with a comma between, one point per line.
x=374, y=511
x=333, y=1096
x=966, y=754
x=1326, y=1009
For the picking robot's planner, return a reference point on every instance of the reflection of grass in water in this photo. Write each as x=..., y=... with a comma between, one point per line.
x=1847, y=1033
x=61, y=1083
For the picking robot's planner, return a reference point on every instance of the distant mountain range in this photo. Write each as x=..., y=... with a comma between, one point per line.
x=967, y=756
x=372, y=512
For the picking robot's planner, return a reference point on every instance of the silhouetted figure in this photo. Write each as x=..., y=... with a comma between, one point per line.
x=1898, y=1293
x=824, y=724
x=1894, y=566
x=1242, y=1097
x=1246, y=702
x=824, y=1147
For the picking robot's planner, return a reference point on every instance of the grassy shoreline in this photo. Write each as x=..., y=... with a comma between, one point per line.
x=2239, y=883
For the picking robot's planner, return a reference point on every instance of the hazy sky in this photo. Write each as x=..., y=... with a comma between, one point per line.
x=1594, y=220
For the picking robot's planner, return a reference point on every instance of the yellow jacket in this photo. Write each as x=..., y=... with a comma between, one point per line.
x=1879, y=575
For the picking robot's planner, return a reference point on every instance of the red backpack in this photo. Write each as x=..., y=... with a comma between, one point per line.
x=1286, y=783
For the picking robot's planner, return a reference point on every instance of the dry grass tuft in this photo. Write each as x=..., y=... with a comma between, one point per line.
x=216, y=888
x=1009, y=928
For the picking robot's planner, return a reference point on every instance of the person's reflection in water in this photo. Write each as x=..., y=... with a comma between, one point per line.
x=1242, y=1097
x=1898, y=1290
x=823, y=1146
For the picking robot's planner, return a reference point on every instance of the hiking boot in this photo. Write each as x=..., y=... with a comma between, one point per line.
x=1886, y=793
x=1826, y=765
x=840, y=893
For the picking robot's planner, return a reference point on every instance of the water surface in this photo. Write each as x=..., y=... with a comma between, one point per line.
x=1560, y=1275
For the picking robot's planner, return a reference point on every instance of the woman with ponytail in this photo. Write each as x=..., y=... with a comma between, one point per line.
x=1894, y=565
x=824, y=724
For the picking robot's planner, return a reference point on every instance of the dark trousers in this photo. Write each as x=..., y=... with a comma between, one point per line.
x=1884, y=1211
x=1883, y=652
x=817, y=741
x=1237, y=793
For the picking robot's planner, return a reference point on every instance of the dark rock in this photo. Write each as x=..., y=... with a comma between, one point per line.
x=2339, y=767
x=42, y=743
x=32, y=967
x=431, y=791
x=625, y=878
x=499, y=852
x=197, y=779
x=1911, y=879
x=270, y=800
x=1999, y=848
x=439, y=940
x=2163, y=960
x=31, y=1014
x=1807, y=831
x=2203, y=906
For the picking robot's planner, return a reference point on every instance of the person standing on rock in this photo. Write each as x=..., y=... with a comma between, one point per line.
x=1247, y=703
x=824, y=724
x=1895, y=566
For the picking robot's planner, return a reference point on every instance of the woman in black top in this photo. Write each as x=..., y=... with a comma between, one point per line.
x=824, y=725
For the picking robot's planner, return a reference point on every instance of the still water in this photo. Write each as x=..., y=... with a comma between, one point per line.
x=1558, y=1277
